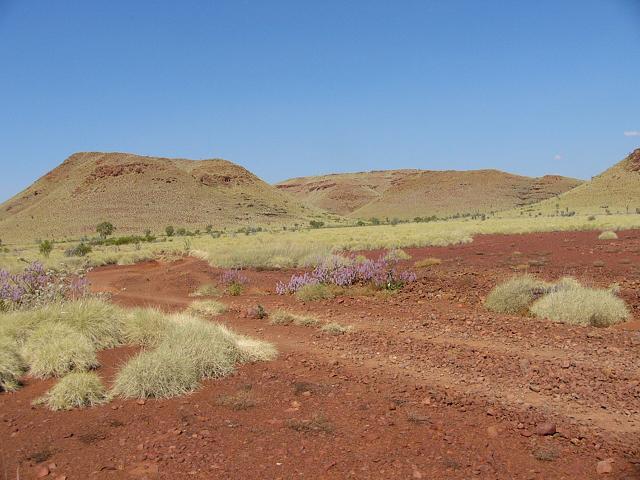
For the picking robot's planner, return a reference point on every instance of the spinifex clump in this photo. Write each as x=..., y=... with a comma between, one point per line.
x=343, y=272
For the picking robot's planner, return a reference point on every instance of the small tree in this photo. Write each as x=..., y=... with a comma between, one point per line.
x=316, y=224
x=105, y=229
x=45, y=247
x=169, y=230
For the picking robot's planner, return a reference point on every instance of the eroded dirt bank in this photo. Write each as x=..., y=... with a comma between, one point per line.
x=428, y=385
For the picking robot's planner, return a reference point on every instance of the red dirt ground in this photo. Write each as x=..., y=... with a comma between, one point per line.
x=428, y=385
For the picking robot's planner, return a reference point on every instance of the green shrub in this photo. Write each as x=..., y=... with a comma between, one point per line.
x=608, y=235
x=105, y=229
x=54, y=349
x=313, y=292
x=146, y=327
x=45, y=247
x=515, y=295
x=12, y=366
x=207, y=307
x=578, y=305
x=76, y=390
x=235, y=289
x=80, y=250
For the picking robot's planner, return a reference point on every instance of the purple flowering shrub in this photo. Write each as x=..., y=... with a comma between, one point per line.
x=36, y=286
x=233, y=277
x=343, y=272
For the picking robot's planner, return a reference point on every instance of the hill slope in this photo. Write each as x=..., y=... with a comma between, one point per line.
x=135, y=192
x=410, y=193
x=616, y=190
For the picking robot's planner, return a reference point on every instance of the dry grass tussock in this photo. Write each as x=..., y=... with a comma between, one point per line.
x=12, y=366
x=335, y=328
x=578, y=305
x=206, y=290
x=76, y=390
x=282, y=317
x=62, y=339
x=190, y=350
x=565, y=301
x=608, y=235
x=55, y=349
x=515, y=295
x=427, y=262
x=207, y=307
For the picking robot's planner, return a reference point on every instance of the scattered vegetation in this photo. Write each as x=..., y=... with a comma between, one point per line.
x=45, y=247
x=242, y=400
x=76, y=390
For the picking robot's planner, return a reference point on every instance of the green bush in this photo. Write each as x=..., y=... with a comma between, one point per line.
x=516, y=295
x=55, y=349
x=76, y=390
x=80, y=250
x=105, y=229
x=45, y=247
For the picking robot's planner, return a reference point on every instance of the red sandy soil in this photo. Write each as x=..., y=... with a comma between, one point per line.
x=428, y=385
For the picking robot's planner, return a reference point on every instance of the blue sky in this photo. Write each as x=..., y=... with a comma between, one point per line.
x=296, y=87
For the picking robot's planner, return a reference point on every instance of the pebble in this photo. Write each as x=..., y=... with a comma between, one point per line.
x=42, y=471
x=546, y=428
x=604, y=467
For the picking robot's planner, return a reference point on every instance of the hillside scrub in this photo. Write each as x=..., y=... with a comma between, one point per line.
x=76, y=390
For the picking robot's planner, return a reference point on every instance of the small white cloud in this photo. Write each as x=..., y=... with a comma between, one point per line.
x=632, y=133
x=557, y=156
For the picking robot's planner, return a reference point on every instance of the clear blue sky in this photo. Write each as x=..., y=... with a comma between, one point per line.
x=301, y=87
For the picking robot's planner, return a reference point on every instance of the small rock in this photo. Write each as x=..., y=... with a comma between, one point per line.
x=604, y=467
x=141, y=401
x=42, y=471
x=546, y=428
x=492, y=431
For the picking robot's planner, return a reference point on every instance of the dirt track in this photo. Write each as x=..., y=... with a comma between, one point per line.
x=428, y=385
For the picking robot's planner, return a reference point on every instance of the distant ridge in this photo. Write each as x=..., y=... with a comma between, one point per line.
x=406, y=194
x=616, y=190
x=138, y=192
